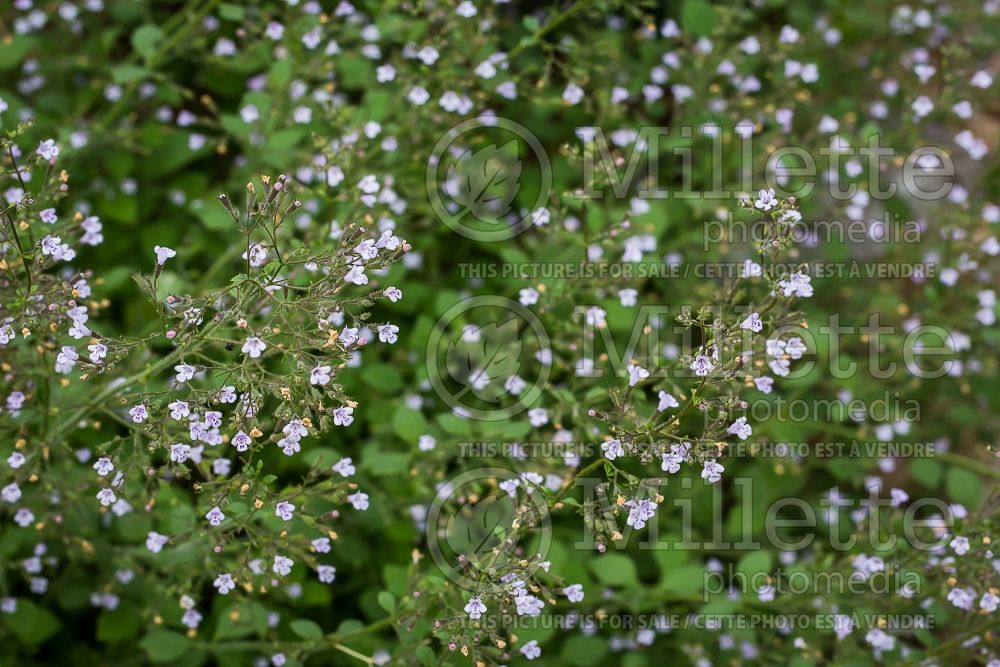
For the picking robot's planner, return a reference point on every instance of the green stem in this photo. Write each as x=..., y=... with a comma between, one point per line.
x=549, y=26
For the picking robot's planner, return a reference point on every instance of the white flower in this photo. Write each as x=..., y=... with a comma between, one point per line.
x=752, y=323
x=538, y=417
x=466, y=9
x=740, y=428
x=764, y=384
x=356, y=275
x=666, y=401
x=215, y=516
x=426, y=443
x=963, y=598
x=98, y=351
x=224, y=583
x=418, y=95
x=475, y=608
x=572, y=94
x=163, y=254
x=241, y=441
x=284, y=510
x=256, y=255
x=387, y=333
x=179, y=453
x=574, y=592
x=981, y=79
x=138, y=414
x=671, y=462
x=989, y=602
x=253, y=346
x=155, y=541
x=320, y=375
x=179, y=410
x=702, y=365
x=343, y=416
x=636, y=374
x=612, y=449
x=184, y=372
x=528, y=605
x=797, y=284
x=960, y=545
x=515, y=385
x=595, y=316
x=345, y=467
x=531, y=650
x=327, y=573
x=628, y=297
x=104, y=466
x=106, y=496
x=282, y=565
x=541, y=217
x=66, y=359
x=766, y=200
x=48, y=149
x=640, y=511
x=712, y=471
x=359, y=501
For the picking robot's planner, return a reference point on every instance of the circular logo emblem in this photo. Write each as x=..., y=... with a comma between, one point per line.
x=487, y=358
x=481, y=518
x=479, y=168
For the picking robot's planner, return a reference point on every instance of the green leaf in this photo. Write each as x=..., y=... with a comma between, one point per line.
x=964, y=486
x=14, y=51
x=425, y=654
x=757, y=562
x=146, y=41
x=231, y=12
x=383, y=377
x=165, y=645
x=118, y=624
x=388, y=463
x=408, y=424
x=686, y=579
x=241, y=620
x=128, y=73
x=214, y=216
x=615, y=570
x=584, y=651
x=697, y=17
x=32, y=624
x=387, y=601
x=927, y=471
x=307, y=629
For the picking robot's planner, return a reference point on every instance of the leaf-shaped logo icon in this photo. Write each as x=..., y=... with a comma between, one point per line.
x=485, y=182
x=483, y=365
x=477, y=527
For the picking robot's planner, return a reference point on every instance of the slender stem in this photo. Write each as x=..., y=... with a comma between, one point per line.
x=549, y=26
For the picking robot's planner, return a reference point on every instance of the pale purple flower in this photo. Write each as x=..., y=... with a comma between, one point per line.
x=224, y=583
x=254, y=347
x=285, y=510
x=282, y=565
x=163, y=254
x=475, y=608
x=215, y=516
